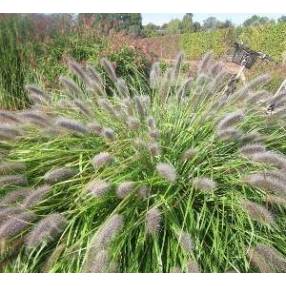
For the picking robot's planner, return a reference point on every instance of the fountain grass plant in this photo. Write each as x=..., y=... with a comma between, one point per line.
x=182, y=179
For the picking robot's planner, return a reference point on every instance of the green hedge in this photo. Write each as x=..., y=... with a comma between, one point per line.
x=270, y=39
x=196, y=44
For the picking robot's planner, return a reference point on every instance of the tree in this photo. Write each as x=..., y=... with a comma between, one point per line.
x=256, y=20
x=227, y=24
x=174, y=27
x=151, y=30
x=187, y=23
x=211, y=23
x=197, y=27
x=282, y=19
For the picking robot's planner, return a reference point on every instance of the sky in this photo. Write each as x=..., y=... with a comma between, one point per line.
x=237, y=19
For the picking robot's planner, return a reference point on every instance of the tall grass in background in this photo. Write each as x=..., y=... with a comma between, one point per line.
x=27, y=55
x=13, y=61
x=183, y=179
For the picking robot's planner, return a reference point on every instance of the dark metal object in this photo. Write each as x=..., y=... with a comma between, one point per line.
x=246, y=57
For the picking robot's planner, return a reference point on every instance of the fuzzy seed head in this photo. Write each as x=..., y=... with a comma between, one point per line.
x=250, y=149
x=122, y=87
x=36, y=118
x=193, y=267
x=78, y=70
x=153, y=220
x=144, y=192
x=13, y=197
x=108, y=133
x=101, y=159
x=154, y=133
x=186, y=241
x=155, y=75
x=124, y=189
x=9, y=212
x=46, y=230
x=228, y=134
x=230, y=119
x=257, y=212
x=108, y=67
x=16, y=224
x=82, y=107
x=167, y=171
x=133, y=123
x=99, y=264
x=36, y=196
x=71, y=125
x=98, y=187
x=70, y=86
x=104, y=236
x=154, y=149
x=272, y=256
x=175, y=269
x=139, y=106
x=204, y=184
x=270, y=158
x=11, y=167
x=151, y=122
x=13, y=180
x=95, y=128
x=9, y=116
x=189, y=154
x=9, y=132
x=60, y=174
x=269, y=182
x=259, y=261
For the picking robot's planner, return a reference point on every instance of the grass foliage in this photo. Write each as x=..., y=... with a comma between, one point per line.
x=183, y=179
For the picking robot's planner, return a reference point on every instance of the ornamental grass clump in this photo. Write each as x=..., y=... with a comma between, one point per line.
x=181, y=178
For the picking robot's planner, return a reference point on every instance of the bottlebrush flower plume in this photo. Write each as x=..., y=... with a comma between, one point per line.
x=204, y=184
x=71, y=86
x=35, y=196
x=106, y=233
x=11, y=167
x=185, y=241
x=189, y=154
x=9, y=116
x=99, y=264
x=108, y=67
x=9, y=132
x=101, y=160
x=249, y=149
x=133, y=123
x=14, y=197
x=193, y=266
x=108, y=133
x=124, y=189
x=230, y=119
x=16, y=224
x=60, y=174
x=257, y=212
x=46, y=230
x=36, y=118
x=167, y=171
x=13, y=180
x=71, y=125
x=98, y=187
x=153, y=220
x=228, y=134
x=154, y=148
x=272, y=256
x=151, y=122
x=267, y=182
